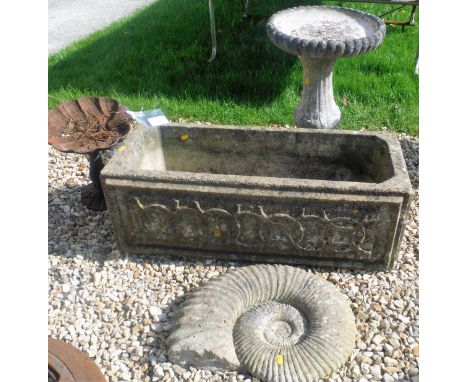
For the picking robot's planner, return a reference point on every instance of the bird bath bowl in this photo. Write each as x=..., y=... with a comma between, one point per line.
x=297, y=196
x=89, y=125
x=319, y=35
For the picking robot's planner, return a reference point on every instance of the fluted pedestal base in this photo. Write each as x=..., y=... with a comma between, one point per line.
x=317, y=109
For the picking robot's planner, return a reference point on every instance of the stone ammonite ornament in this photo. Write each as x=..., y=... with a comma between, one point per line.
x=276, y=322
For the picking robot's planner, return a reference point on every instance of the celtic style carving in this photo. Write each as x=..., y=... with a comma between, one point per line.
x=217, y=228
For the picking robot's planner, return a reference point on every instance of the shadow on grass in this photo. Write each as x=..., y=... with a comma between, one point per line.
x=163, y=51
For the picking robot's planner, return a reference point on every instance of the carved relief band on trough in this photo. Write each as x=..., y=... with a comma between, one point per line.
x=217, y=227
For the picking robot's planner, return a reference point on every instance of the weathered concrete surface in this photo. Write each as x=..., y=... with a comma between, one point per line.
x=278, y=323
x=71, y=20
x=323, y=197
x=319, y=35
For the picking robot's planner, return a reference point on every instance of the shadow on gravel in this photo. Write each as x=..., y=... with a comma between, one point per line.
x=411, y=153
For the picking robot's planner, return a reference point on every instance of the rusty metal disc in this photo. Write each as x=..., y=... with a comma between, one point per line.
x=88, y=124
x=68, y=364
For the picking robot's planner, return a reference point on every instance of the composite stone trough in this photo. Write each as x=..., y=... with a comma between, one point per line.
x=281, y=195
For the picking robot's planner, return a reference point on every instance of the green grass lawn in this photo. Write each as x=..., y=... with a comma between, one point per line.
x=157, y=58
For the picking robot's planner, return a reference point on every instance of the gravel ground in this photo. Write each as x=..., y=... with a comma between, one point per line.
x=118, y=308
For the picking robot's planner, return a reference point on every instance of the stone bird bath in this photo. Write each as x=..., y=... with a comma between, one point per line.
x=319, y=35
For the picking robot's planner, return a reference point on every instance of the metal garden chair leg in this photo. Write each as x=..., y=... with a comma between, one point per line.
x=245, y=5
x=213, y=30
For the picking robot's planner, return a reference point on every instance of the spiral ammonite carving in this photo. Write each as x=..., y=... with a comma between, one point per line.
x=277, y=322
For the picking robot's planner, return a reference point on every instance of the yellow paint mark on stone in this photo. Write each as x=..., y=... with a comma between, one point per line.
x=217, y=232
x=306, y=82
x=184, y=137
x=122, y=148
x=279, y=359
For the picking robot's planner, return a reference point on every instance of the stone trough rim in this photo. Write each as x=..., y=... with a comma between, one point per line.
x=400, y=183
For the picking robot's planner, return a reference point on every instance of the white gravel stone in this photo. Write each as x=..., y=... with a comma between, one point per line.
x=377, y=339
x=361, y=345
x=388, y=378
x=118, y=308
x=376, y=372
x=155, y=311
x=356, y=371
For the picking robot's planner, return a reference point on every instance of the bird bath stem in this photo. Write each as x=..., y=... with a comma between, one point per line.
x=92, y=195
x=317, y=107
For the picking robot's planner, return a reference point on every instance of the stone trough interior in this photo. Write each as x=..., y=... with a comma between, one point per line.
x=267, y=153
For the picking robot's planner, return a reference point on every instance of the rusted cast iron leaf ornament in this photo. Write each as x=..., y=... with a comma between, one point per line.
x=86, y=126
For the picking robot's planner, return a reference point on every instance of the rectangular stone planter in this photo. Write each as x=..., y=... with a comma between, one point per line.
x=300, y=196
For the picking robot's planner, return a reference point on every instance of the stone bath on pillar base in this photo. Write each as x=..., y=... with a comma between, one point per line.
x=319, y=35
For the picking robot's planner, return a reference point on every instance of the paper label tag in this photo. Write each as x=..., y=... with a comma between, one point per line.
x=149, y=118
x=157, y=121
